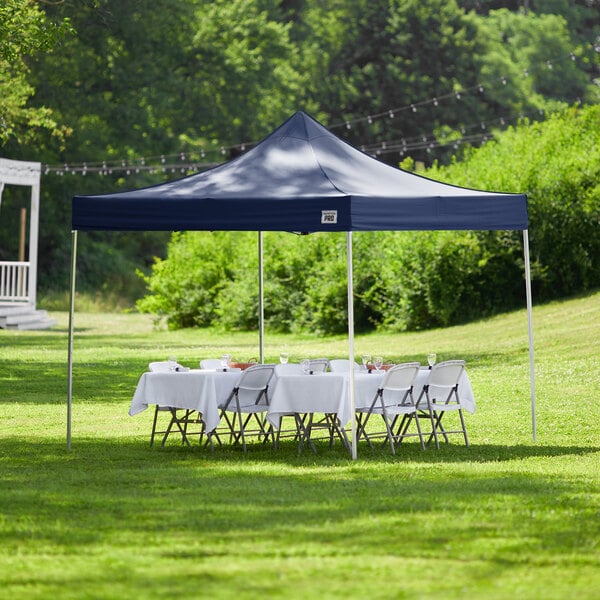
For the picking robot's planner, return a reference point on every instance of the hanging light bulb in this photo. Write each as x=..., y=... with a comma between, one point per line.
x=369, y=119
x=348, y=125
x=413, y=107
x=435, y=101
x=457, y=95
x=391, y=113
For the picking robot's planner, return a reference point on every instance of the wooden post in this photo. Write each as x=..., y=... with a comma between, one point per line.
x=22, y=235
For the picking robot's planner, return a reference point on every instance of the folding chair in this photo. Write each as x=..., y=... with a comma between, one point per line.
x=306, y=424
x=318, y=365
x=180, y=418
x=210, y=363
x=393, y=399
x=341, y=365
x=441, y=395
x=249, y=400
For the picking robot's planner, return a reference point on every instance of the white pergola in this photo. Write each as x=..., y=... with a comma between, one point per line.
x=18, y=279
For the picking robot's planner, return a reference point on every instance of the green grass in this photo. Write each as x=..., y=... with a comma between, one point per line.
x=505, y=518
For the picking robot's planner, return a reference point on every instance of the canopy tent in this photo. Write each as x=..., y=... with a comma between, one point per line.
x=303, y=178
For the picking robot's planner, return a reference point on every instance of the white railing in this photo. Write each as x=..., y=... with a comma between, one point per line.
x=14, y=281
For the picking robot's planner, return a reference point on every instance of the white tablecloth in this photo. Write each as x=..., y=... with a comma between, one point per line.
x=200, y=390
x=320, y=393
x=328, y=393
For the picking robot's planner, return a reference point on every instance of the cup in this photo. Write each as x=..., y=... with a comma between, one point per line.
x=366, y=359
x=225, y=360
x=283, y=358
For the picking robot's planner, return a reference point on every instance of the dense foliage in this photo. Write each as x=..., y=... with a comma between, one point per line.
x=408, y=280
x=25, y=31
x=148, y=87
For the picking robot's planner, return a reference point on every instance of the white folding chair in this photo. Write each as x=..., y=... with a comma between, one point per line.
x=179, y=418
x=441, y=395
x=249, y=399
x=210, y=363
x=341, y=365
x=318, y=365
x=393, y=399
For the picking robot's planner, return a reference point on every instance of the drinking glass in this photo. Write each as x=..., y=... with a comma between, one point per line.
x=305, y=366
x=225, y=360
x=283, y=358
x=431, y=358
x=172, y=360
x=366, y=359
x=378, y=362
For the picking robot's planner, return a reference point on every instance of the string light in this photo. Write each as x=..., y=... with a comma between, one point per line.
x=103, y=168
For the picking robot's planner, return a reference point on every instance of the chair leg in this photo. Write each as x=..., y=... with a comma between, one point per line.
x=154, y=425
x=419, y=430
x=462, y=421
x=390, y=435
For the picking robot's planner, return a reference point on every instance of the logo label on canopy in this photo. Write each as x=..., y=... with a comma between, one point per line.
x=328, y=217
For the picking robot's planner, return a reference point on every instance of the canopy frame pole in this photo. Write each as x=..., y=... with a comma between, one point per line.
x=261, y=300
x=530, y=331
x=71, y=323
x=351, y=389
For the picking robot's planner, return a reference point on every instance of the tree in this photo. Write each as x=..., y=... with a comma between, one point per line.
x=25, y=31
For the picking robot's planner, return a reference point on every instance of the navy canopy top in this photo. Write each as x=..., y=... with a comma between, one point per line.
x=301, y=178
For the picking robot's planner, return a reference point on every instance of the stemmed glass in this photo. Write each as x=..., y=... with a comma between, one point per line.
x=283, y=358
x=378, y=362
x=431, y=358
x=366, y=359
x=172, y=363
x=305, y=366
x=225, y=360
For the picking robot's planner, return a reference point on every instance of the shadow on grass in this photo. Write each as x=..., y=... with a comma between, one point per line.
x=283, y=503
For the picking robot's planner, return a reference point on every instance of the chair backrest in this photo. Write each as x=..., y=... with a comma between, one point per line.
x=163, y=366
x=319, y=365
x=342, y=365
x=288, y=369
x=252, y=383
x=446, y=374
x=400, y=377
x=210, y=363
x=256, y=378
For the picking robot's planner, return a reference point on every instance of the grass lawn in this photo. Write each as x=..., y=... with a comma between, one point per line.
x=114, y=518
